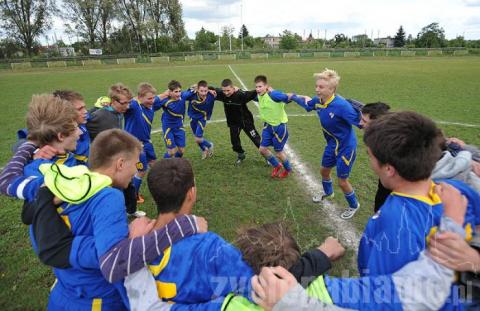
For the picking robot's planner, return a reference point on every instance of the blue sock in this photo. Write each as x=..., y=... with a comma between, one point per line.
x=178, y=154
x=351, y=199
x=137, y=182
x=327, y=186
x=167, y=155
x=207, y=144
x=286, y=165
x=202, y=145
x=272, y=160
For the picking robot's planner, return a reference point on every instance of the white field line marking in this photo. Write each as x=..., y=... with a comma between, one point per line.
x=349, y=236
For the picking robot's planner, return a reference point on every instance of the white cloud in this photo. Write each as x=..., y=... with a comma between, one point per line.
x=348, y=16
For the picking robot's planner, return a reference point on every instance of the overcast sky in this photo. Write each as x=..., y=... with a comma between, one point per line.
x=350, y=17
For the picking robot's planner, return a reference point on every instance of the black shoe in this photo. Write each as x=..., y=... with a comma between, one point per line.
x=240, y=158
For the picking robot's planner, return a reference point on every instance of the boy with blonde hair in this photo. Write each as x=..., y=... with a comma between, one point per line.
x=337, y=116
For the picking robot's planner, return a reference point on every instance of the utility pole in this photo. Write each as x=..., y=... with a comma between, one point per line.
x=241, y=21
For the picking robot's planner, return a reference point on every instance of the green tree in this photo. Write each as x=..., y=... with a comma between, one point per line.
x=340, y=41
x=431, y=36
x=289, y=40
x=205, y=40
x=107, y=14
x=84, y=15
x=26, y=20
x=399, y=39
x=8, y=48
x=243, y=32
x=457, y=42
x=135, y=14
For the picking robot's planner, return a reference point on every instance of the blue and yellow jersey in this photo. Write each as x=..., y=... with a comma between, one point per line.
x=139, y=119
x=174, y=110
x=401, y=229
x=102, y=217
x=336, y=118
x=199, y=109
x=199, y=269
x=82, y=151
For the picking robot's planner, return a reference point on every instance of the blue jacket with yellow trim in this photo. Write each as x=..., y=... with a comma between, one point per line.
x=401, y=228
x=103, y=218
x=199, y=109
x=199, y=269
x=336, y=118
x=139, y=119
x=174, y=110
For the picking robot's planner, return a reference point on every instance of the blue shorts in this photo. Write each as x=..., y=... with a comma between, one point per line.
x=198, y=127
x=343, y=160
x=174, y=137
x=275, y=136
x=146, y=156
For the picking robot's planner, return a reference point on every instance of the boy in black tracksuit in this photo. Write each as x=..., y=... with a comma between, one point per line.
x=238, y=116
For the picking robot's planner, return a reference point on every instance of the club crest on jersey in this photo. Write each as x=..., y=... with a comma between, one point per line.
x=331, y=114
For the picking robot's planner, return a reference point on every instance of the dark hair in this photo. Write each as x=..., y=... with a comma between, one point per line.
x=261, y=78
x=110, y=143
x=202, y=83
x=406, y=140
x=375, y=110
x=268, y=245
x=169, y=181
x=173, y=85
x=227, y=82
x=68, y=95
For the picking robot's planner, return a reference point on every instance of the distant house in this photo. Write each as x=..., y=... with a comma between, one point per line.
x=386, y=42
x=271, y=41
x=360, y=38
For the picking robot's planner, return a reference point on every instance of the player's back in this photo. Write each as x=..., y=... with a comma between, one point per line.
x=200, y=267
x=86, y=219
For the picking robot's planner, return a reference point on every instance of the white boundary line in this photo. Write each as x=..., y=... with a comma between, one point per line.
x=347, y=233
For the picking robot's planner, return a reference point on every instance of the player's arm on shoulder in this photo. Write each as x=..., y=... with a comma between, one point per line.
x=130, y=255
x=165, y=94
x=279, y=96
x=302, y=101
x=224, y=261
x=13, y=180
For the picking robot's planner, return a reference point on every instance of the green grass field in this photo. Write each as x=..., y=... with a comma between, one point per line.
x=446, y=89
